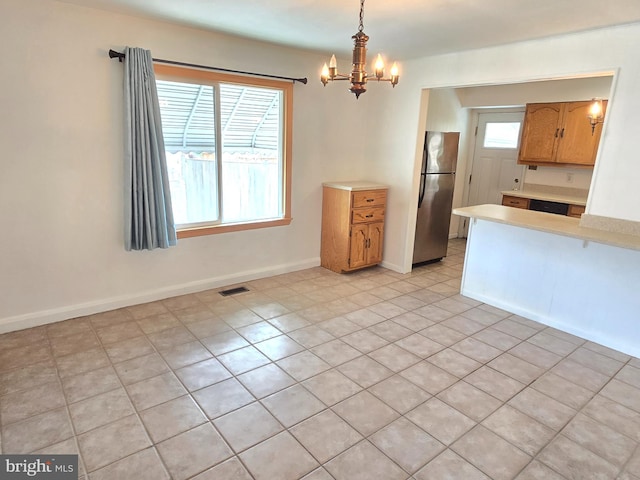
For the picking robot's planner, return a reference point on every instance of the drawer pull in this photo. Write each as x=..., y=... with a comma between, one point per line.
x=370, y=200
x=369, y=216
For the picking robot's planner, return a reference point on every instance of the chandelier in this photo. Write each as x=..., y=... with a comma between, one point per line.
x=359, y=77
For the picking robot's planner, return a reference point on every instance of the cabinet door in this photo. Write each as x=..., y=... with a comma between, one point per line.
x=376, y=233
x=540, y=133
x=358, y=248
x=577, y=145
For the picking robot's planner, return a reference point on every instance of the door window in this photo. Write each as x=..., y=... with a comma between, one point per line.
x=502, y=135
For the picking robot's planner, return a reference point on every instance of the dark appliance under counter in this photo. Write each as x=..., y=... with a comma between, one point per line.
x=549, y=207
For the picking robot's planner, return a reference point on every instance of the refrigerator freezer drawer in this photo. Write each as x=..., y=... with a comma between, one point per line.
x=366, y=215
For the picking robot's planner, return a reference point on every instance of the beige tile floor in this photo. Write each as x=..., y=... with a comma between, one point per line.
x=315, y=375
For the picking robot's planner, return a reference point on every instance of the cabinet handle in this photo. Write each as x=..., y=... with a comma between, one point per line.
x=369, y=216
x=367, y=244
x=557, y=130
x=562, y=133
x=370, y=200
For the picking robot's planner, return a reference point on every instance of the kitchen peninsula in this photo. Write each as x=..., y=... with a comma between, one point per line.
x=550, y=269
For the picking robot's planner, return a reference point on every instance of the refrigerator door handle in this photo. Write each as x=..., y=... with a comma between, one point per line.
x=423, y=179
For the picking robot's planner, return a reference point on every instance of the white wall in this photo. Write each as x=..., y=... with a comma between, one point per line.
x=395, y=119
x=565, y=177
x=61, y=192
x=444, y=112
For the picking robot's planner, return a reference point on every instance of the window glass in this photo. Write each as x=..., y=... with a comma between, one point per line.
x=188, y=127
x=251, y=153
x=502, y=135
x=225, y=151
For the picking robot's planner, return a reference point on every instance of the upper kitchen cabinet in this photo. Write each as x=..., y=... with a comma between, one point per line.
x=559, y=134
x=539, y=137
x=578, y=145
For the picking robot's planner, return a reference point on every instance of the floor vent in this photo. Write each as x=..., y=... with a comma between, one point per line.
x=233, y=291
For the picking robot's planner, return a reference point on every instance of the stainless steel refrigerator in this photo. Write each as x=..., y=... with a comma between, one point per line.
x=437, y=178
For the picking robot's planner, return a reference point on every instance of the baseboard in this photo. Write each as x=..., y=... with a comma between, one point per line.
x=43, y=317
x=392, y=266
x=614, y=343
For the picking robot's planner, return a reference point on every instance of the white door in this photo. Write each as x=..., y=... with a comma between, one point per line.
x=495, y=157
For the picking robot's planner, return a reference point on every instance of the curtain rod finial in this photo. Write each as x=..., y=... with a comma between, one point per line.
x=114, y=54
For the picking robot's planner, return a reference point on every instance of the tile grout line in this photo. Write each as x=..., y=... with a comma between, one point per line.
x=315, y=323
x=135, y=410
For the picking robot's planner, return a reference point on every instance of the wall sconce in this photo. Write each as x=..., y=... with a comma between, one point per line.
x=596, y=114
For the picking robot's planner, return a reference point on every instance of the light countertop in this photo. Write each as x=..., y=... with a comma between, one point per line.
x=551, y=197
x=356, y=186
x=548, y=222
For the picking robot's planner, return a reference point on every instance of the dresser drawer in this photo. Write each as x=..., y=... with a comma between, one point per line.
x=516, y=202
x=368, y=198
x=575, y=211
x=365, y=215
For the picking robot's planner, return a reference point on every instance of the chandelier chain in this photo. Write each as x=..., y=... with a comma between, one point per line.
x=361, y=27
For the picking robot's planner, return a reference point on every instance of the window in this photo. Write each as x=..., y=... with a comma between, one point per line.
x=502, y=135
x=228, y=143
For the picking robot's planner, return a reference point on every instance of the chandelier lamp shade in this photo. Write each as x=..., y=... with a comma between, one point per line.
x=359, y=77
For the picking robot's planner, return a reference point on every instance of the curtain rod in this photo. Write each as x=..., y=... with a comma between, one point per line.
x=120, y=57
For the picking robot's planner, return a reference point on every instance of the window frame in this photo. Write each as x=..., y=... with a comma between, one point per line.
x=194, y=75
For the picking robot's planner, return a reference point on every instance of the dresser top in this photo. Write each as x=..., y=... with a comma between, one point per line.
x=356, y=185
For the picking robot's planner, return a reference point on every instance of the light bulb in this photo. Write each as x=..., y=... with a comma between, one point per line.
x=324, y=75
x=395, y=76
x=596, y=109
x=379, y=67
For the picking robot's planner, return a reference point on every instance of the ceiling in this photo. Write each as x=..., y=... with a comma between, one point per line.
x=400, y=29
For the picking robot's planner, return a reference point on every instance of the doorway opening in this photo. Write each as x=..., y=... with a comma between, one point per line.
x=494, y=166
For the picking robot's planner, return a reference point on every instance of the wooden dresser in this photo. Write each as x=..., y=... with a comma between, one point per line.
x=352, y=225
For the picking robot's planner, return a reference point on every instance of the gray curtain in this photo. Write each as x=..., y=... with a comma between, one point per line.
x=148, y=215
